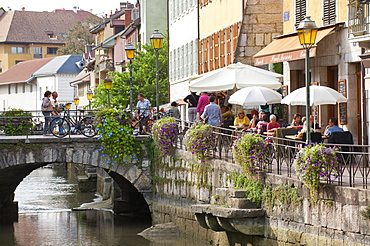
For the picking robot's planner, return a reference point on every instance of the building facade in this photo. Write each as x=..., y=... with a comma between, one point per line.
x=28, y=35
x=335, y=61
x=23, y=86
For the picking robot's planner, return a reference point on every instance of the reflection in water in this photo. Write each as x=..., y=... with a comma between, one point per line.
x=46, y=198
x=78, y=228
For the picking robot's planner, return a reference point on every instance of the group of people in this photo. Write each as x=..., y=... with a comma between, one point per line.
x=203, y=108
x=49, y=109
x=301, y=123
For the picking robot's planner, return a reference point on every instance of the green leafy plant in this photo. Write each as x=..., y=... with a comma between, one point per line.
x=252, y=153
x=281, y=194
x=165, y=133
x=200, y=140
x=115, y=131
x=317, y=162
x=253, y=190
x=144, y=79
x=365, y=212
x=16, y=122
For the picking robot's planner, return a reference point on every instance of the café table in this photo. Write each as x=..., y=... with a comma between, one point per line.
x=295, y=137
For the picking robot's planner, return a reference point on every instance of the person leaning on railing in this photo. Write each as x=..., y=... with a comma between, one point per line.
x=47, y=109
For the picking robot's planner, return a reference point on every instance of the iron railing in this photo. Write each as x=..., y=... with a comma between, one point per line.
x=355, y=159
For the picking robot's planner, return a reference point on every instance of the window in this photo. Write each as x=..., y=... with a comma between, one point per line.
x=16, y=88
x=329, y=15
x=300, y=11
x=50, y=34
x=9, y=89
x=24, y=88
x=16, y=62
x=17, y=50
x=1, y=66
x=37, y=52
x=31, y=88
x=52, y=51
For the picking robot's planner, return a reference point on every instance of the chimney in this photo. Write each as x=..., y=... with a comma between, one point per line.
x=128, y=19
x=88, y=48
x=23, y=8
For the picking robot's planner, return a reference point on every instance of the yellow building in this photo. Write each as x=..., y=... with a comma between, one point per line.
x=233, y=31
x=27, y=35
x=335, y=60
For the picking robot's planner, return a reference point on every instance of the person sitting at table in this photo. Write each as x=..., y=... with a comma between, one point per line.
x=314, y=125
x=261, y=124
x=241, y=120
x=273, y=124
x=226, y=113
x=254, y=120
x=332, y=127
x=304, y=129
x=297, y=121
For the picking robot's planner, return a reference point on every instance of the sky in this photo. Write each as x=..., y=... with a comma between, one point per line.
x=96, y=7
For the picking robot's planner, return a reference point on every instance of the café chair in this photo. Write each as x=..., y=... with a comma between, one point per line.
x=315, y=137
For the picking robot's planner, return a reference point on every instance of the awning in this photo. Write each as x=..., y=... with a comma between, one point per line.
x=287, y=48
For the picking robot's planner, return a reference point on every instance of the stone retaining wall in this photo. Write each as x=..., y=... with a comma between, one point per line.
x=334, y=219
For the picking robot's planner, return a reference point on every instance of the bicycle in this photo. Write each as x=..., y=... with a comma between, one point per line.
x=62, y=126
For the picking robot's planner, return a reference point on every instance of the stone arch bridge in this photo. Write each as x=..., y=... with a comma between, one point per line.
x=19, y=156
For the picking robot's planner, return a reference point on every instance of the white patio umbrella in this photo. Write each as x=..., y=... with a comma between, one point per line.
x=255, y=95
x=319, y=95
x=236, y=76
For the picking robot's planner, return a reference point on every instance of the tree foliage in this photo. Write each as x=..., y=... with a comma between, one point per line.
x=144, y=79
x=79, y=36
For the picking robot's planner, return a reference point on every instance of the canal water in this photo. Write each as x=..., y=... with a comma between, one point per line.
x=46, y=198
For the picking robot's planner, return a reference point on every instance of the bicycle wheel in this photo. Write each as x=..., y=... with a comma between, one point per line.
x=87, y=127
x=59, y=127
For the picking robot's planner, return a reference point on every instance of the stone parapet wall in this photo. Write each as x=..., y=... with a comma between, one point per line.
x=334, y=219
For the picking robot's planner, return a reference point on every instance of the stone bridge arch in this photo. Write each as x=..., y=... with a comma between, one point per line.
x=19, y=157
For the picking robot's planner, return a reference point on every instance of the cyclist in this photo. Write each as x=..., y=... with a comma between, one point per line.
x=143, y=113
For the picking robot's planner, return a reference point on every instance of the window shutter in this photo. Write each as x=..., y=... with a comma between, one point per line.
x=300, y=11
x=329, y=12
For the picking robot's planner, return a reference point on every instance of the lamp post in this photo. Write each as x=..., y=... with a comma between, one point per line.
x=89, y=95
x=76, y=101
x=307, y=31
x=108, y=87
x=130, y=53
x=157, y=41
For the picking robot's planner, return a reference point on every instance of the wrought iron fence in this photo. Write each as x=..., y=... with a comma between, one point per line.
x=354, y=172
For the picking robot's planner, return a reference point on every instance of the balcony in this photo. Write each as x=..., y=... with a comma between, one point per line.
x=105, y=65
x=359, y=29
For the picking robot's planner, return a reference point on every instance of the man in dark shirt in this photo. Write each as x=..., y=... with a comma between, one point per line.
x=192, y=101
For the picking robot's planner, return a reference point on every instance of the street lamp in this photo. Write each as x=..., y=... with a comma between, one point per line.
x=307, y=31
x=76, y=101
x=108, y=87
x=130, y=53
x=89, y=95
x=157, y=41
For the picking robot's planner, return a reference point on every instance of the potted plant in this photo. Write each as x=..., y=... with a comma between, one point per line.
x=115, y=130
x=316, y=162
x=252, y=153
x=200, y=140
x=165, y=132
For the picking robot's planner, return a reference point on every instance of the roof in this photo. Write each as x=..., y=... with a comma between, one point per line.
x=22, y=71
x=83, y=76
x=34, y=27
x=129, y=28
x=61, y=64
